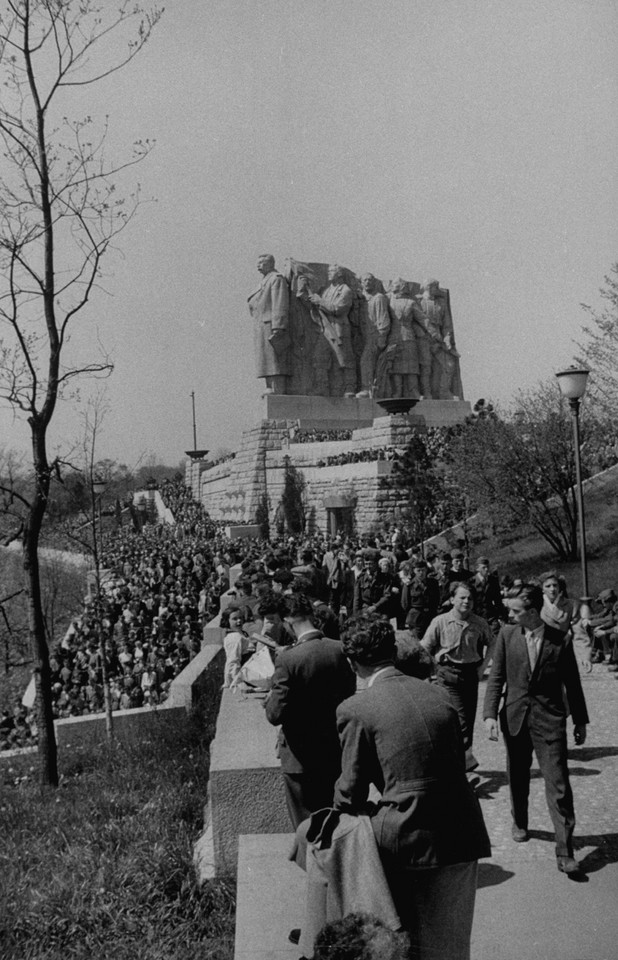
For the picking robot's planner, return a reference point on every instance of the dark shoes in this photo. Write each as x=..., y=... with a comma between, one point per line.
x=294, y=936
x=568, y=865
x=519, y=834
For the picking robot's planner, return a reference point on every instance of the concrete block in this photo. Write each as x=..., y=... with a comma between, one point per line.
x=246, y=788
x=185, y=686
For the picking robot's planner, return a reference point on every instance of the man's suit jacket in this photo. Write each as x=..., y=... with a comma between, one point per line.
x=403, y=735
x=488, y=597
x=310, y=681
x=539, y=694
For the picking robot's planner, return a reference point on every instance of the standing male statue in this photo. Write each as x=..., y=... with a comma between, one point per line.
x=335, y=373
x=444, y=367
x=407, y=327
x=269, y=306
x=376, y=326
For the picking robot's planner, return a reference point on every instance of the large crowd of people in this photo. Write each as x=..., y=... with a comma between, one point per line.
x=162, y=585
x=361, y=456
x=305, y=435
x=321, y=612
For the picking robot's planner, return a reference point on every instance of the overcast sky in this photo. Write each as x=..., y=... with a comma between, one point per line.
x=470, y=140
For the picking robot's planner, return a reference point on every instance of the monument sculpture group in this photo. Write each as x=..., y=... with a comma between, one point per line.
x=321, y=330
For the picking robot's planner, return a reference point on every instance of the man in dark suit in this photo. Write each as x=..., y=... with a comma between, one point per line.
x=310, y=681
x=486, y=585
x=534, y=665
x=420, y=600
x=403, y=735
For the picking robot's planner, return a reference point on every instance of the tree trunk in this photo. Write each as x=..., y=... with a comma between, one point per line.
x=48, y=754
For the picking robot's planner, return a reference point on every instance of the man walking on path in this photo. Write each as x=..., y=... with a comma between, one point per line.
x=402, y=735
x=534, y=666
x=458, y=641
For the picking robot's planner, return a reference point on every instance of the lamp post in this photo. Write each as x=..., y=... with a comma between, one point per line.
x=98, y=489
x=572, y=383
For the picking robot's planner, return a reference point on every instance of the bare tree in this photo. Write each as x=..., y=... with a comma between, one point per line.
x=83, y=529
x=520, y=469
x=59, y=214
x=599, y=350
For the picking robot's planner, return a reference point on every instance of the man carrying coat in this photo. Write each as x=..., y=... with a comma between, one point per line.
x=535, y=667
x=403, y=735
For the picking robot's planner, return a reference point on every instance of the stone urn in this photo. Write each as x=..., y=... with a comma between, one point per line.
x=394, y=405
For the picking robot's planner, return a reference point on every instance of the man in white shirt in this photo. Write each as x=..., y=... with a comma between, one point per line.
x=458, y=641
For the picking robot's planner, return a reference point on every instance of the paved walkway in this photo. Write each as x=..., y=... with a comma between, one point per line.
x=526, y=910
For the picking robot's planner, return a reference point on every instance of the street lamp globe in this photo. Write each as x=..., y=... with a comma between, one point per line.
x=572, y=382
x=98, y=487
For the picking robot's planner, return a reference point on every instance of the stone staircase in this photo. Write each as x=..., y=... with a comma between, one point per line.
x=270, y=898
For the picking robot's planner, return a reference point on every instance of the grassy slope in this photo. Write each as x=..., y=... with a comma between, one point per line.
x=103, y=867
x=527, y=554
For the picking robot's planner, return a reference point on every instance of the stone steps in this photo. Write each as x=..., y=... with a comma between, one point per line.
x=270, y=898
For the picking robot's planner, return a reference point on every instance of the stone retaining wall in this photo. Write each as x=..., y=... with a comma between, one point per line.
x=200, y=680
x=245, y=791
x=239, y=489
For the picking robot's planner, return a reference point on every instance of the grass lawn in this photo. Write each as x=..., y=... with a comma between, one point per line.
x=102, y=867
x=523, y=553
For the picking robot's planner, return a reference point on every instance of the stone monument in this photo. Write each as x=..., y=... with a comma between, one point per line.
x=351, y=366
x=269, y=306
x=445, y=379
x=407, y=334
x=320, y=330
x=376, y=329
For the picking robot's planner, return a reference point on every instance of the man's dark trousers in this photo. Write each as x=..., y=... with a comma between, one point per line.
x=307, y=792
x=460, y=680
x=552, y=759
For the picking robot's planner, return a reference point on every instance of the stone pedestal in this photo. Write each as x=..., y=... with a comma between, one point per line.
x=252, y=482
x=341, y=413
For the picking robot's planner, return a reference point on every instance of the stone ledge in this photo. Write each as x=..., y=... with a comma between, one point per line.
x=246, y=788
x=331, y=413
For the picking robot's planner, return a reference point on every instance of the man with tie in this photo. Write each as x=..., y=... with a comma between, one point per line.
x=534, y=665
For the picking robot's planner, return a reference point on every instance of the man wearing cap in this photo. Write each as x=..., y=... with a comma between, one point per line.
x=420, y=599
x=458, y=641
x=603, y=629
x=534, y=667
x=375, y=591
